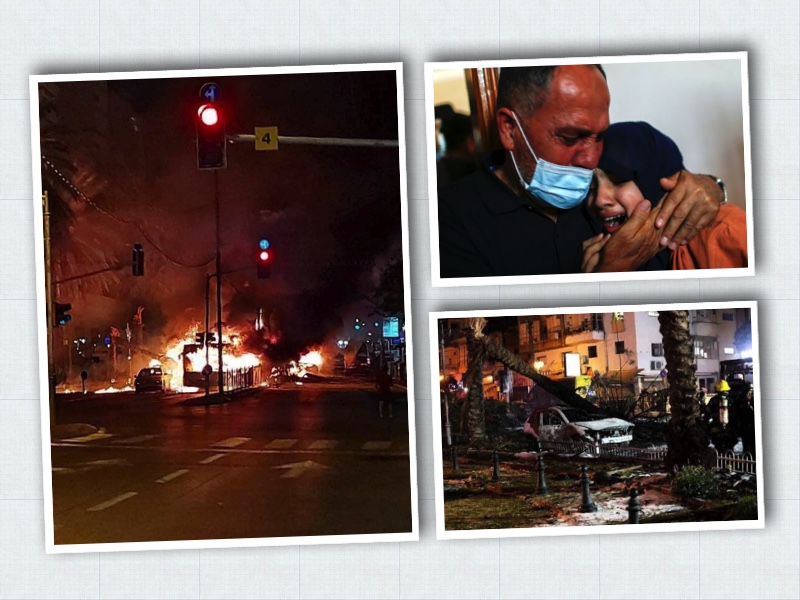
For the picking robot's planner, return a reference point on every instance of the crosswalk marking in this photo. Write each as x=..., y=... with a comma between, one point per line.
x=172, y=476
x=210, y=459
x=235, y=445
x=134, y=440
x=100, y=435
x=281, y=444
x=376, y=445
x=112, y=502
x=324, y=445
x=231, y=442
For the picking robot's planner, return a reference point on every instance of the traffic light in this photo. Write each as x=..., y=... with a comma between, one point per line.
x=264, y=259
x=62, y=313
x=210, y=123
x=137, y=261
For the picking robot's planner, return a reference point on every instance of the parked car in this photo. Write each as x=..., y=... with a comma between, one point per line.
x=150, y=379
x=565, y=423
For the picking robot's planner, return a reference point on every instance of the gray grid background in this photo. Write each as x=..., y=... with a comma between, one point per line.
x=44, y=37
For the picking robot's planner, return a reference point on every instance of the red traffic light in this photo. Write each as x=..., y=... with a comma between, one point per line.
x=208, y=114
x=264, y=256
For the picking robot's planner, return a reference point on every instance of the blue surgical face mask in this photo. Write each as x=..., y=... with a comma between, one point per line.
x=560, y=186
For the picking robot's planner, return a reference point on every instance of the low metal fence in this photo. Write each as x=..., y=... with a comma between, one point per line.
x=242, y=378
x=744, y=463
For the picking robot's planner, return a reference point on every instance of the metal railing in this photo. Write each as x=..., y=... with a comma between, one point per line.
x=243, y=378
x=744, y=463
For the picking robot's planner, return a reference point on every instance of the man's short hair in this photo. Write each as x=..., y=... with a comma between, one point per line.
x=524, y=89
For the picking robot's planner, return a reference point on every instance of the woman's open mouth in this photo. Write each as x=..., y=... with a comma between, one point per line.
x=612, y=223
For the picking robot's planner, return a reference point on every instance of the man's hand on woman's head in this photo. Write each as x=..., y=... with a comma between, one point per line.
x=631, y=245
x=691, y=203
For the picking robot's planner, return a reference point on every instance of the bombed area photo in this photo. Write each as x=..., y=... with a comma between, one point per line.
x=602, y=416
x=223, y=291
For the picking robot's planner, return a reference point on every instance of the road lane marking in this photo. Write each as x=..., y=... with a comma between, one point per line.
x=208, y=460
x=324, y=445
x=231, y=442
x=294, y=470
x=376, y=445
x=100, y=435
x=134, y=440
x=112, y=502
x=172, y=476
x=403, y=453
x=281, y=444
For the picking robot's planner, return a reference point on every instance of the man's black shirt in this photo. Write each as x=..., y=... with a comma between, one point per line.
x=485, y=230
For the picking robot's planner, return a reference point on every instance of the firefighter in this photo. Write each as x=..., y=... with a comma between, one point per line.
x=721, y=435
x=722, y=403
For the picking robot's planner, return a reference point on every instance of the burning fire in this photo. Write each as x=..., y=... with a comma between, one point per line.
x=113, y=390
x=232, y=358
x=310, y=359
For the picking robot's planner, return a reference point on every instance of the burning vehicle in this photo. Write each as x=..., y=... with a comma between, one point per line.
x=187, y=361
x=305, y=367
x=566, y=423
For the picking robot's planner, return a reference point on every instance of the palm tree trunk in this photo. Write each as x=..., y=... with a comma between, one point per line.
x=516, y=364
x=474, y=412
x=687, y=441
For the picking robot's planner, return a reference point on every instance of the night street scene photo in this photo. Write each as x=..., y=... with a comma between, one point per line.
x=581, y=420
x=222, y=289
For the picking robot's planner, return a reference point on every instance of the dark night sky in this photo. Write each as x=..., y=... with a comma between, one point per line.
x=330, y=213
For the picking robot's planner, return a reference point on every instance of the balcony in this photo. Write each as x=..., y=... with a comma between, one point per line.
x=585, y=335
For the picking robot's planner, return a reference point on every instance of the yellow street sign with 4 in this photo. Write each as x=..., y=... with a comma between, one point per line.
x=266, y=138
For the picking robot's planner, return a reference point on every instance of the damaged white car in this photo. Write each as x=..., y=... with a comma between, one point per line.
x=565, y=423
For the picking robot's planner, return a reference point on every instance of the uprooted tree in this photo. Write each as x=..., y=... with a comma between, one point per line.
x=687, y=442
x=479, y=349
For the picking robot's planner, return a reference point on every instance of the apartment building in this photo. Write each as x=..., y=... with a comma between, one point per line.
x=626, y=346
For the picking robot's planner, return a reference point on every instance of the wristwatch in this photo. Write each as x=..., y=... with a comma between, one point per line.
x=721, y=185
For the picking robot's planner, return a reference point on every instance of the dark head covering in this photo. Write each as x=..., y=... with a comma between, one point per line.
x=639, y=152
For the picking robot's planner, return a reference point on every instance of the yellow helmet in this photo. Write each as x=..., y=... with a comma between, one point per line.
x=722, y=386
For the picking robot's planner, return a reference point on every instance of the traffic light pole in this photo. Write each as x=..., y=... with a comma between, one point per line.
x=220, y=368
x=48, y=282
x=319, y=141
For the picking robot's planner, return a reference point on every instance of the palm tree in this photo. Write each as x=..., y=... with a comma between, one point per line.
x=474, y=415
x=481, y=348
x=687, y=442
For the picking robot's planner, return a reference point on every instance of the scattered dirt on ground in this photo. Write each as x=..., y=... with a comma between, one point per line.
x=473, y=500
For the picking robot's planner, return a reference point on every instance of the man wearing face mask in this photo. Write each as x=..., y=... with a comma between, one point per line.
x=523, y=212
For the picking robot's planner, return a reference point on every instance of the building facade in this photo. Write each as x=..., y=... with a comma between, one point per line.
x=627, y=346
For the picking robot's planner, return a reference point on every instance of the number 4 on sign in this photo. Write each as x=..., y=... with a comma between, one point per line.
x=266, y=138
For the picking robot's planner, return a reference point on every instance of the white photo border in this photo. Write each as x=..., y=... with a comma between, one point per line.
x=438, y=468
x=41, y=302
x=430, y=146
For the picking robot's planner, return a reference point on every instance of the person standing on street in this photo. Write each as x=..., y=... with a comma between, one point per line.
x=384, y=384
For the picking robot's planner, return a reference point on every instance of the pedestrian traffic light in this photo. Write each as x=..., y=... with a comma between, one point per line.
x=210, y=123
x=137, y=261
x=62, y=313
x=264, y=259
